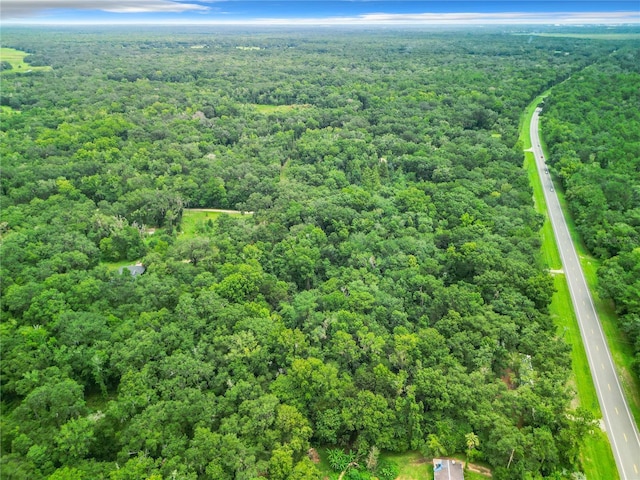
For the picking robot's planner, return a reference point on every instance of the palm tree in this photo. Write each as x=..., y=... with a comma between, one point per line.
x=472, y=442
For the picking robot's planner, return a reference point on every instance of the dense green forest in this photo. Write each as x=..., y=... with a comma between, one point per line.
x=385, y=295
x=592, y=126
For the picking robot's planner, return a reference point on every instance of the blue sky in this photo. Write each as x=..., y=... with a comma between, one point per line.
x=313, y=12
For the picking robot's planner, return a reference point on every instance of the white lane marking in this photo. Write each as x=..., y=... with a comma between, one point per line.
x=609, y=385
x=616, y=409
x=625, y=437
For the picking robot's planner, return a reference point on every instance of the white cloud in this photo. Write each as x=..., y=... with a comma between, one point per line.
x=523, y=18
x=15, y=9
x=504, y=18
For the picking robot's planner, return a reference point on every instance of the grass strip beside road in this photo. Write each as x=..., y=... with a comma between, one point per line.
x=595, y=452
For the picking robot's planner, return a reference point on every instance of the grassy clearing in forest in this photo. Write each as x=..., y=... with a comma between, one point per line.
x=266, y=109
x=411, y=466
x=7, y=110
x=196, y=222
x=595, y=452
x=193, y=222
x=119, y=264
x=16, y=59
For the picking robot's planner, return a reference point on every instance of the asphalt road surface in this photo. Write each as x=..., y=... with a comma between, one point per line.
x=618, y=422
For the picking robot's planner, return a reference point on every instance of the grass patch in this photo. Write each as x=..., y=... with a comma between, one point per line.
x=412, y=465
x=594, y=463
x=120, y=264
x=7, y=110
x=16, y=59
x=525, y=120
x=469, y=475
x=197, y=222
x=324, y=466
x=595, y=451
x=561, y=311
x=267, y=109
x=550, y=258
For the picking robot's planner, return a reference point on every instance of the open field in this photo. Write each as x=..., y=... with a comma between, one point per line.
x=596, y=454
x=196, y=221
x=16, y=59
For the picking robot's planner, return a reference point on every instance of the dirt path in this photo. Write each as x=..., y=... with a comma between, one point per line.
x=478, y=469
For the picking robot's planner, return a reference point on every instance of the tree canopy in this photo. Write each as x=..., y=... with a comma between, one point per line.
x=386, y=293
x=592, y=126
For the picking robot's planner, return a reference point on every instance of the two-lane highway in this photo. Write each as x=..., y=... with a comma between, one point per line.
x=618, y=422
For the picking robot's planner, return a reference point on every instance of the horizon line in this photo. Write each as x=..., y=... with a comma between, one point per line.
x=567, y=18
x=306, y=22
